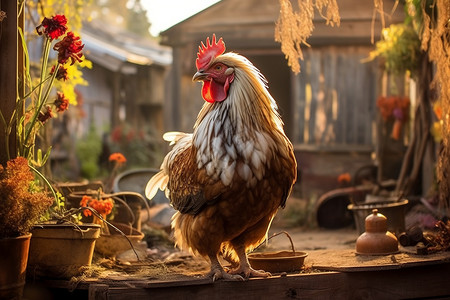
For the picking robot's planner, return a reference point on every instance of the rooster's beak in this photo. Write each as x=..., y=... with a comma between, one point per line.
x=200, y=76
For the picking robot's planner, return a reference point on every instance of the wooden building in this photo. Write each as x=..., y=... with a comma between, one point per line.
x=329, y=109
x=126, y=83
x=125, y=93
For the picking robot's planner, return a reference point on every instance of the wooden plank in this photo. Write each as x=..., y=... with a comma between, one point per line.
x=346, y=260
x=416, y=282
x=98, y=291
x=377, y=277
x=315, y=60
x=430, y=282
x=342, y=78
x=302, y=80
x=287, y=287
x=329, y=73
x=8, y=72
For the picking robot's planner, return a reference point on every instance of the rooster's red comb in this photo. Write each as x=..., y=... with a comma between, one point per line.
x=208, y=52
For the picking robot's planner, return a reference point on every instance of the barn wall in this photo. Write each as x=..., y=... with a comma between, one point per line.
x=335, y=96
x=96, y=101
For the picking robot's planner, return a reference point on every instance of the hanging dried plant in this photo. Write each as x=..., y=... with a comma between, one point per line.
x=294, y=27
x=439, y=53
x=431, y=20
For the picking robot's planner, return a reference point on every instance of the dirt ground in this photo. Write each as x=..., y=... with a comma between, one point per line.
x=313, y=239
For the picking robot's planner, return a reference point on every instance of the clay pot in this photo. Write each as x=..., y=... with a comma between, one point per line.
x=61, y=250
x=376, y=240
x=13, y=264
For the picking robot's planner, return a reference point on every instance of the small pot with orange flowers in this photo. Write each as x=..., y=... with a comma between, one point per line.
x=103, y=207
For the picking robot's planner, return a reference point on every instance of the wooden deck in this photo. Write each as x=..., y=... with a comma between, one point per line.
x=334, y=274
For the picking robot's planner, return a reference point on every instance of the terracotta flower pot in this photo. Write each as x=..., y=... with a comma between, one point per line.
x=13, y=264
x=112, y=244
x=61, y=250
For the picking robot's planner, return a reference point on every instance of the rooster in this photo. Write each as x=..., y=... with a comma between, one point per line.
x=230, y=176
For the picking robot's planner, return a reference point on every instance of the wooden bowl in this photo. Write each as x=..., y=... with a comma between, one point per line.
x=277, y=262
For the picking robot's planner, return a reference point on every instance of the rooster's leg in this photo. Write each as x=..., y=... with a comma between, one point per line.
x=217, y=271
x=244, y=265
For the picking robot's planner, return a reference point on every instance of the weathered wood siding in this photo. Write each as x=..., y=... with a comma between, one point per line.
x=334, y=98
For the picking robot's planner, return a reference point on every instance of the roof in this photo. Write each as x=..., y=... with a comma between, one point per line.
x=116, y=49
x=251, y=23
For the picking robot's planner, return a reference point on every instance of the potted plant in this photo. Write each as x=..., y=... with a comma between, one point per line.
x=127, y=204
x=34, y=107
x=22, y=198
x=22, y=203
x=111, y=241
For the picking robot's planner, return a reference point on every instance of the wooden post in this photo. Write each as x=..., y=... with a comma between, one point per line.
x=9, y=72
x=116, y=80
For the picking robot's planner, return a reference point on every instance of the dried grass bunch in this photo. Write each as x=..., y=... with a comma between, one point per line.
x=22, y=202
x=294, y=26
x=436, y=39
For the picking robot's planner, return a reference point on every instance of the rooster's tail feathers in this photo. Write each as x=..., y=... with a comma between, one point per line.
x=158, y=181
x=174, y=136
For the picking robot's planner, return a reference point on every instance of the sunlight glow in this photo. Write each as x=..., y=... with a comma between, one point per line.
x=164, y=14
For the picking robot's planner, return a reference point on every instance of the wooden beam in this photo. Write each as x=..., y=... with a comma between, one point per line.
x=10, y=46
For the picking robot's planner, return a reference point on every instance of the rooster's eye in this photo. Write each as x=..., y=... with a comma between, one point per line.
x=218, y=67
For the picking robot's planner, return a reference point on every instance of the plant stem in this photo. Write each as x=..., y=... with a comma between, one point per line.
x=47, y=183
x=41, y=100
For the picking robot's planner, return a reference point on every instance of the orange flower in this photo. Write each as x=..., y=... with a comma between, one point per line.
x=344, y=178
x=438, y=110
x=103, y=207
x=84, y=203
x=118, y=157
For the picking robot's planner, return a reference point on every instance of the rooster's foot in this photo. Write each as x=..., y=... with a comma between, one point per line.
x=217, y=274
x=250, y=272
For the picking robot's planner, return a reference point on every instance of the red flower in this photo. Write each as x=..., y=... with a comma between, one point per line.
x=61, y=74
x=116, y=134
x=44, y=117
x=61, y=102
x=54, y=27
x=119, y=158
x=69, y=47
x=130, y=136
